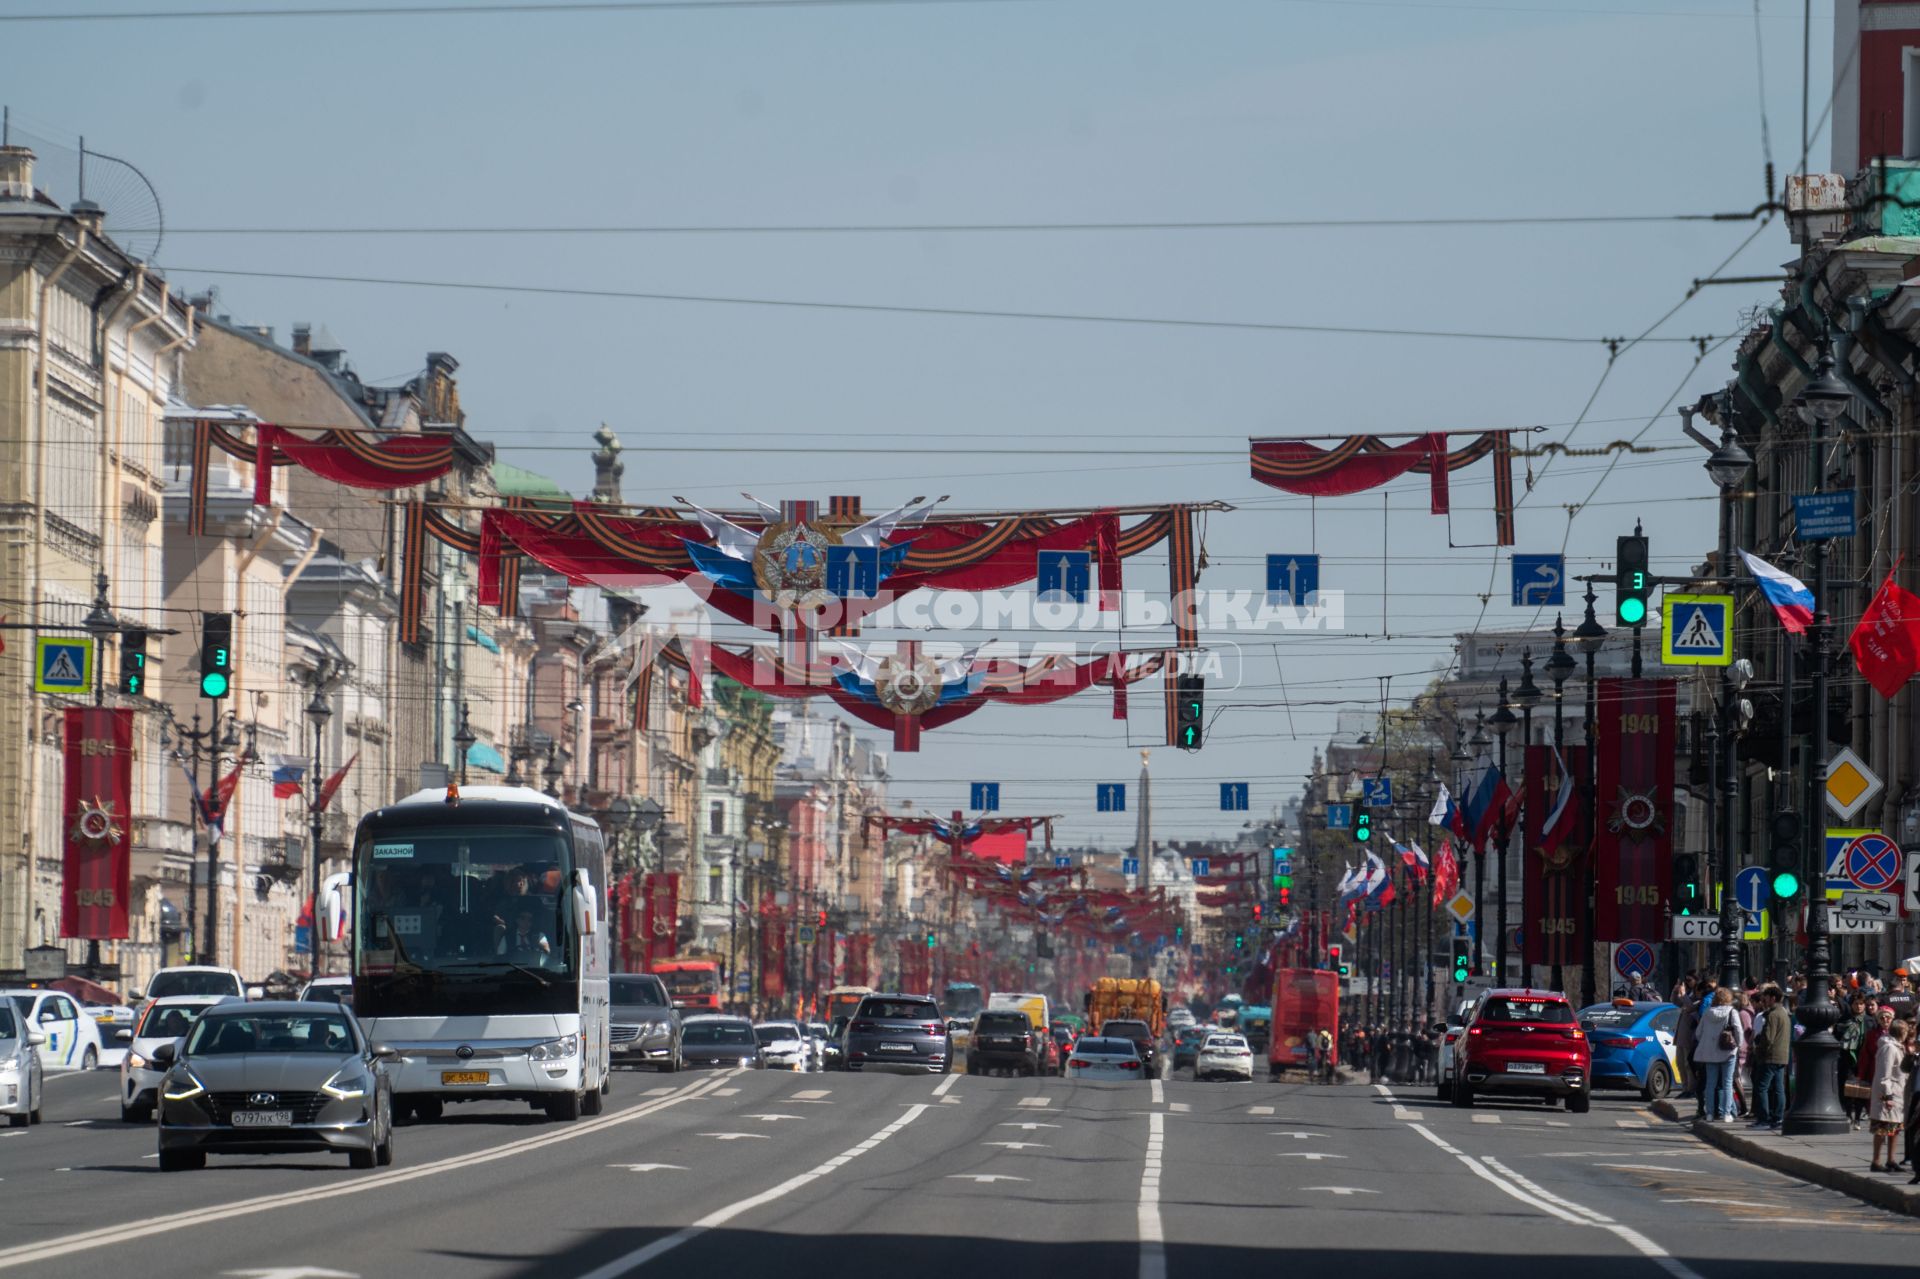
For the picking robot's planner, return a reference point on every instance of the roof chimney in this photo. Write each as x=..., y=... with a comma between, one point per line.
x=303, y=339
x=16, y=173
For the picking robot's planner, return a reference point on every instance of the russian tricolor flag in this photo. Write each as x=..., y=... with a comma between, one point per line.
x=1415, y=858
x=1446, y=814
x=1484, y=804
x=1792, y=601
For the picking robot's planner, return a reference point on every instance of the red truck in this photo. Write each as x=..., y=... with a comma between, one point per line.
x=1306, y=1001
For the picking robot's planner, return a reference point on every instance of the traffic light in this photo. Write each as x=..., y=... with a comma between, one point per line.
x=216, y=654
x=1239, y=941
x=1362, y=825
x=1256, y=912
x=1179, y=931
x=1284, y=894
x=133, y=663
x=929, y=939
x=1189, y=709
x=1333, y=960
x=1783, y=855
x=1686, y=884
x=1630, y=580
x=1462, y=959
x=823, y=919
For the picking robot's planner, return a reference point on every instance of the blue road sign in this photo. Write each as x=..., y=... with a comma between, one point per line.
x=1753, y=888
x=1129, y=865
x=1819, y=516
x=1202, y=866
x=1296, y=577
x=1061, y=861
x=1539, y=580
x=986, y=797
x=1697, y=629
x=1873, y=863
x=1064, y=575
x=1233, y=797
x=1110, y=797
x=1633, y=956
x=853, y=571
x=1339, y=816
x=1376, y=792
x=1283, y=868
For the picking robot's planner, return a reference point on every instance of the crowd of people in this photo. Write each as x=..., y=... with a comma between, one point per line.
x=1735, y=1046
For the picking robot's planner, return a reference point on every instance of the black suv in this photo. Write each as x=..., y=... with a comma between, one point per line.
x=904, y=1032
x=1005, y=1040
x=1139, y=1032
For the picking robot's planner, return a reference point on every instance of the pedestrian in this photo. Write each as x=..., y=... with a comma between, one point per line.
x=1716, y=1049
x=1326, y=1057
x=1851, y=1033
x=1743, y=1071
x=1870, y=1046
x=1892, y=1066
x=1638, y=990
x=1683, y=1040
x=1772, y=1051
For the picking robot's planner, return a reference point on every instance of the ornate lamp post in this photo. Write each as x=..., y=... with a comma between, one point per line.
x=1559, y=669
x=1476, y=746
x=463, y=740
x=318, y=713
x=1590, y=635
x=1527, y=696
x=1502, y=722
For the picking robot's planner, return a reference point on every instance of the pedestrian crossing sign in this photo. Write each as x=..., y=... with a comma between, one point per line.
x=1696, y=630
x=63, y=664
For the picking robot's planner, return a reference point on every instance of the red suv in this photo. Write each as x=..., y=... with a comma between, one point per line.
x=1524, y=1043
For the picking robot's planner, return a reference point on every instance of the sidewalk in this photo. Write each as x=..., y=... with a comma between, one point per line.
x=1838, y=1163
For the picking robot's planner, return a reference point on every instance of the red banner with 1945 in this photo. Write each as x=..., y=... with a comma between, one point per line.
x=96, y=831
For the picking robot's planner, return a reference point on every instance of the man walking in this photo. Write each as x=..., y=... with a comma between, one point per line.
x=1772, y=1050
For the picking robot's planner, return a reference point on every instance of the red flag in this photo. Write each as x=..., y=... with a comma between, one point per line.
x=219, y=795
x=1886, y=644
x=1446, y=874
x=332, y=784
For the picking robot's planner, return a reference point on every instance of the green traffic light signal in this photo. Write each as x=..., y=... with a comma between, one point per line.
x=1786, y=885
x=1363, y=827
x=1630, y=580
x=1633, y=611
x=213, y=684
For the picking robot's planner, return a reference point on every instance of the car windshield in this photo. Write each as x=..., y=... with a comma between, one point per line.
x=1548, y=1012
x=898, y=1010
x=9, y=1029
x=169, y=1021
x=640, y=991
x=1127, y=1029
x=340, y=994
x=24, y=1003
x=165, y=985
x=1191, y=1034
x=725, y=1033
x=777, y=1033
x=1105, y=1048
x=1002, y=1023
x=225, y=1035
x=1608, y=1015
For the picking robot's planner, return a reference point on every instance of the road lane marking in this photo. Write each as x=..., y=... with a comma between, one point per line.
x=650, y=1167
x=982, y=1178
x=1409, y=1116
x=1486, y=1119
x=1019, y=1145
x=657, y=1092
x=26, y=1254
x=1259, y=1110
x=1343, y=1191
x=1737, y=1203
x=1035, y=1101
x=1153, y=1238
x=1159, y=1090
x=1179, y=1107
x=1424, y=1131
x=810, y=1094
x=1629, y=1123
x=1644, y=1167
x=737, y=1136
x=721, y=1216
x=1587, y=1216
x=1028, y=1127
x=1307, y=1154
x=946, y=1084
x=1297, y=1136
x=770, y=1118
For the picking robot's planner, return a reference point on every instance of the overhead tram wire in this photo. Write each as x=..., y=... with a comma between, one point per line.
x=1258, y=326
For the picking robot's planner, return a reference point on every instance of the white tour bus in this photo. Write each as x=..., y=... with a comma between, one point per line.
x=478, y=949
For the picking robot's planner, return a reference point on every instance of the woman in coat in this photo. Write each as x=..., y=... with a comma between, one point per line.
x=1716, y=1050
x=1887, y=1108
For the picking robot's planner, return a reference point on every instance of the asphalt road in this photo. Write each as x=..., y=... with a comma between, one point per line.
x=792, y=1175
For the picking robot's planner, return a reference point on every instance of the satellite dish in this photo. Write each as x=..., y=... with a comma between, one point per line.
x=134, y=219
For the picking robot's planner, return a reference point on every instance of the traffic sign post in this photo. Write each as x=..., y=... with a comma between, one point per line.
x=1339, y=816
x=1753, y=888
x=986, y=797
x=1633, y=956
x=1850, y=784
x=1110, y=797
x=1912, y=881
x=1063, y=576
x=1539, y=581
x=1694, y=927
x=1202, y=866
x=1129, y=865
x=1062, y=861
x=63, y=664
x=1233, y=797
x=1696, y=630
x=1376, y=792
x=1820, y=516
x=1295, y=578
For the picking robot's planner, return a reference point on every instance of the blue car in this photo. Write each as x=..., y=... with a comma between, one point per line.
x=1633, y=1045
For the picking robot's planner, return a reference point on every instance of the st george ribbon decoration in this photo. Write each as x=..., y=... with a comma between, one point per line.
x=96, y=835
x=1360, y=462
x=354, y=458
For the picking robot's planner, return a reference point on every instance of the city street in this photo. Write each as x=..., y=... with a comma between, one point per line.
x=740, y=1172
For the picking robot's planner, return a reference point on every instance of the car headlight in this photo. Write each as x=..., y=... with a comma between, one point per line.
x=555, y=1049
x=136, y=1062
x=10, y=1066
x=182, y=1089
x=346, y=1085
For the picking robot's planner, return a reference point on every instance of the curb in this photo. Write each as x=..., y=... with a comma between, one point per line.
x=1878, y=1191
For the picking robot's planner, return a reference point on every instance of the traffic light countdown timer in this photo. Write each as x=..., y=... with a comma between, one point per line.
x=216, y=654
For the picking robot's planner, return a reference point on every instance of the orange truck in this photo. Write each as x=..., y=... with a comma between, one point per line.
x=1132, y=998
x=1305, y=1002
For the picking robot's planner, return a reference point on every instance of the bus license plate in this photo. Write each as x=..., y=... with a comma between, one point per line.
x=463, y=1078
x=262, y=1118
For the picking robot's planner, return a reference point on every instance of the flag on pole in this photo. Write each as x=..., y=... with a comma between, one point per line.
x=1792, y=601
x=1446, y=814
x=1414, y=858
x=288, y=772
x=219, y=795
x=1446, y=875
x=332, y=784
x=1560, y=819
x=1886, y=644
x=1485, y=803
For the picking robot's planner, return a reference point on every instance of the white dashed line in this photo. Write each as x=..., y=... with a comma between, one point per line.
x=1153, y=1239
x=811, y=1094
x=1040, y=1101
x=1259, y=1110
x=1159, y=1091
x=1629, y=1123
x=1486, y=1119
x=1179, y=1107
x=946, y=1085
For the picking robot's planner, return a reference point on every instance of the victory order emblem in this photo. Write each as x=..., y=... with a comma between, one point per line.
x=1635, y=816
x=790, y=564
x=97, y=823
x=908, y=687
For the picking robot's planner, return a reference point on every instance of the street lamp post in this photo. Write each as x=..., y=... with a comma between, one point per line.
x=1528, y=695
x=318, y=712
x=1816, y=1100
x=1502, y=722
x=1590, y=635
x=1559, y=669
x=1477, y=744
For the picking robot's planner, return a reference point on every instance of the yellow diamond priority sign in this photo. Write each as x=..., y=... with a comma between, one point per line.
x=1461, y=907
x=1851, y=785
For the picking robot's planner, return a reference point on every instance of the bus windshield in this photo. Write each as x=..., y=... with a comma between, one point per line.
x=464, y=919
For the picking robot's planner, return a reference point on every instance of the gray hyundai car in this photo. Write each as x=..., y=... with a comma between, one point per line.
x=274, y=1078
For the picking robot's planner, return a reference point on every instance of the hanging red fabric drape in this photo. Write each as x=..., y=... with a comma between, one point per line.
x=350, y=458
x=1362, y=462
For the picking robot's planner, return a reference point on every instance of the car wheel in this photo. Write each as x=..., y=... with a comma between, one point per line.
x=383, y=1153
x=1462, y=1093
x=565, y=1108
x=1445, y=1091
x=182, y=1160
x=1659, y=1082
x=360, y=1159
x=136, y=1114
x=19, y=1121
x=90, y=1059
x=594, y=1102
x=1580, y=1102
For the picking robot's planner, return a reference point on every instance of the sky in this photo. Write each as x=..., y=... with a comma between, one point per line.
x=1013, y=112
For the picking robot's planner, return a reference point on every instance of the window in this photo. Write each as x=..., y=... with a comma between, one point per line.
x=716, y=883
x=73, y=466
x=717, y=819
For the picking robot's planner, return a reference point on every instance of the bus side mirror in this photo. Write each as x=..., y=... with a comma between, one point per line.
x=583, y=920
x=333, y=905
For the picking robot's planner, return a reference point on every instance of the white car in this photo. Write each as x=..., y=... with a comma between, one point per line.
x=162, y=1021
x=20, y=1071
x=116, y=1027
x=332, y=990
x=197, y=979
x=1094, y=1057
x=73, y=1040
x=1223, y=1057
x=817, y=1043
x=783, y=1045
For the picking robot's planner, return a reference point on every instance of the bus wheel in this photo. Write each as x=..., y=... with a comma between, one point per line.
x=566, y=1107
